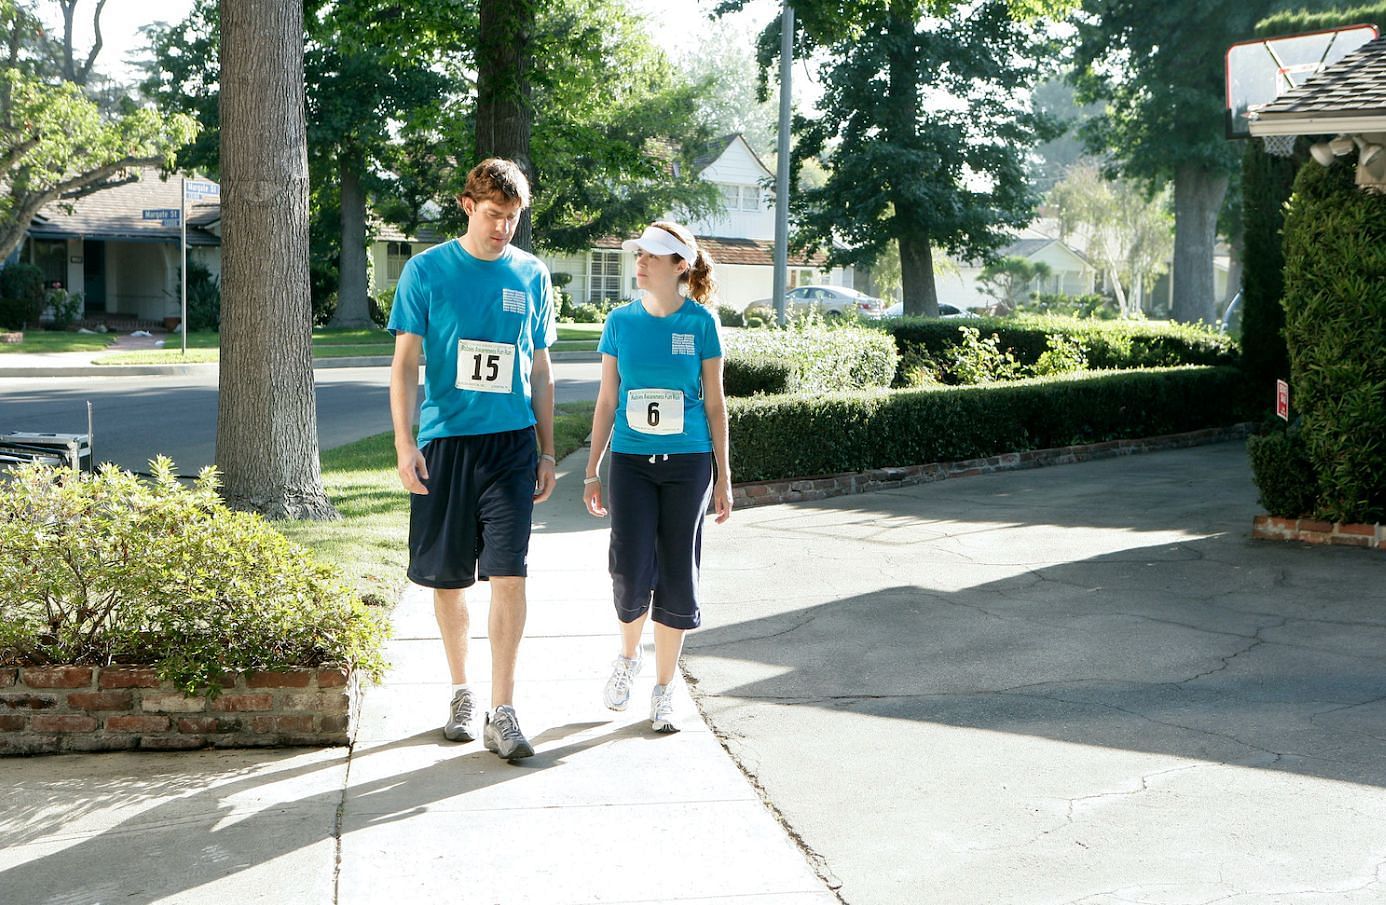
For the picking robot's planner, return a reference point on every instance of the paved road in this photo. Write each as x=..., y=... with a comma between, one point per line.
x=1082, y=684
x=136, y=417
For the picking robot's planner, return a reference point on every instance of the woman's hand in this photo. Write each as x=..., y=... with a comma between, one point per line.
x=592, y=498
x=722, y=498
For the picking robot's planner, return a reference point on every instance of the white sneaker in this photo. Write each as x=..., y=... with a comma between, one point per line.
x=662, y=709
x=623, y=673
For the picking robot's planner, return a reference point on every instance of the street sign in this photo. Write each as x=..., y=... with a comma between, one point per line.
x=163, y=213
x=1282, y=399
x=201, y=190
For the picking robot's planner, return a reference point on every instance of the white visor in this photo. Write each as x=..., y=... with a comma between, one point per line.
x=660, y=242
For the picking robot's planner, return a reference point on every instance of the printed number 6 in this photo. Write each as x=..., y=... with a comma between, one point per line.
x=652, y=414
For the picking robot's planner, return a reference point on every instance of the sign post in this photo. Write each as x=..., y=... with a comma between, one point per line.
x=197, y=190
x=1282, y=399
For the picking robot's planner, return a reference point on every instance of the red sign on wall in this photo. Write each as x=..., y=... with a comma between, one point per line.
x=1282, y=399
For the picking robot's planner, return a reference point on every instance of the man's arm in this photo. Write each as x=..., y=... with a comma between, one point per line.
x=404, y=395
x=541, y=399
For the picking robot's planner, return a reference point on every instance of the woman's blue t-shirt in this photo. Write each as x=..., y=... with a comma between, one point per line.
x=660, y=353
x=474, y=317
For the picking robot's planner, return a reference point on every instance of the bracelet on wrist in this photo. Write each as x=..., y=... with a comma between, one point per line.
x=548, y=456
x=592, y=480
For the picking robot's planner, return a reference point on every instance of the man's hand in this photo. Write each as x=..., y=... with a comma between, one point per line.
x=544, y=481
x=412, y=470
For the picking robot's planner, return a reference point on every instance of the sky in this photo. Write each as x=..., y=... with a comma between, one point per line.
x=671, y=22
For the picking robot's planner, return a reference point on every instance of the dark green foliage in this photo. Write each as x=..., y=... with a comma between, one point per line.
x=729, y=317
x=1107, y=344
x=204, y=298
x=381, y=306
x=1335, y=328
x=21, y=296
x=821, y=359
x=801, y=436
x=1266, y=181
x=1282, y=472
x=746, y=375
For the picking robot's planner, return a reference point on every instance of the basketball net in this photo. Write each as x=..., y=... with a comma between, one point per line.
x=1279, y=145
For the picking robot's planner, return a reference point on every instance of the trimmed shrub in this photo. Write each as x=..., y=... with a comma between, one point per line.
x=382, y=304
x=729, y=317
x=821, y=359
x=1109, y=345
x=1282, y=472
x=204, y=298
x=758, y=316
x=1335, y=328
x=803, y=436
x=21, y=296
x=747, y=375
x=65, y=307
x=105, y=568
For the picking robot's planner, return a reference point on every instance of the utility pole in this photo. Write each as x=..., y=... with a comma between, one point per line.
x=782, y=164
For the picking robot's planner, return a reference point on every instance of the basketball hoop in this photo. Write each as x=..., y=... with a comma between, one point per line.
x=1279, y=145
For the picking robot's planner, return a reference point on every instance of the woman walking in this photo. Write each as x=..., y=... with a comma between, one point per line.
x=662, y=409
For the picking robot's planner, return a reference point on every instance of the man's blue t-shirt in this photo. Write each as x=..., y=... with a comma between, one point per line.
x=481, y=323
x=655, y=354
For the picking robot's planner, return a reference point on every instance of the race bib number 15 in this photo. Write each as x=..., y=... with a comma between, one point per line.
x=655, y=411
x=484, y=367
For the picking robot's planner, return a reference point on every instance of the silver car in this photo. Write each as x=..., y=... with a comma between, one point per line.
x=829, y=301
x=944, y=310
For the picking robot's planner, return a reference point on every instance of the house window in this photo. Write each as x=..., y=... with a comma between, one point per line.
x=50, y=256
x=731, y=196
x=396, y=254
x=604, y=276
x=750, y=197
x=800, y=277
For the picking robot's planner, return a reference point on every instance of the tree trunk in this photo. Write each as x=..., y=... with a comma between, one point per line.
x=1114, y=279
x=1198, y=197
x=267, y=433
x=1234, y=275
x=353, y=296
x=504, y=113
x=917, y=289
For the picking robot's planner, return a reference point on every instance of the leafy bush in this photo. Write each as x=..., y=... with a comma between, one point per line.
x=381, y=306
x=729, y=317
x=1064, y=354
x=1335, y=329
x=21, y=296
x=106, y=568
x=821, y=359
x=758, y=316
x=1282, y=472
x=66, y=307
x=592, y=312
x=204, y=298
x=977, y=360
x=1118, y=345
x=1092, y=305
x=776, y=437
x=746, y=375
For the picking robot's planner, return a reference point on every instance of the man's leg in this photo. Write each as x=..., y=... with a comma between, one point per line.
x=450, y=608
x=507, y=626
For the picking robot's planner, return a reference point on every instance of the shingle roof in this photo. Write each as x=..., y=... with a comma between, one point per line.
x=1354, y=86
x=729, y=250
x=118, y=213
x=714, y=149
x=388, y=232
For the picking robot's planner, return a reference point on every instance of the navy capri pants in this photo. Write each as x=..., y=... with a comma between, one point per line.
x=657, y=506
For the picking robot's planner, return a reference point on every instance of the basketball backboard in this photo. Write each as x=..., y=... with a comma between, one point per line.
x=1260, y=71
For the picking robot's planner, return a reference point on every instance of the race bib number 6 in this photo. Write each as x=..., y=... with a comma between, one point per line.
x=484, y=367
x=655, y=411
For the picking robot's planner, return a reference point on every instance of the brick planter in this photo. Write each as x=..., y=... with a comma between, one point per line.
x=1312, y=531
x=49, y=710
x=7, y=337
x=764, y=493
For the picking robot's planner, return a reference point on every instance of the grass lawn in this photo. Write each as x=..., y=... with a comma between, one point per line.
x=56, y=341
x=370, y=543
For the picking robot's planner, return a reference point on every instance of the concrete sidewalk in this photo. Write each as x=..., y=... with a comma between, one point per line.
x=606, y=811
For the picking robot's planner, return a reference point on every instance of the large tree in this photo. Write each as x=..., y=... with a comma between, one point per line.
x=924, y=122
x=57, y=142
x=1158, y=67
x=267, y=432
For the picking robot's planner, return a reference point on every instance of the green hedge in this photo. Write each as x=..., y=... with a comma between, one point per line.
x=21, y=296
x=802, y=436
x=1266, y=184
x=818, y=359
x=1118, y=345
x=1284, y=476
x=1335, y=329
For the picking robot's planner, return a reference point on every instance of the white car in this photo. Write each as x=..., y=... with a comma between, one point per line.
x=830, y=301
x=898, y=310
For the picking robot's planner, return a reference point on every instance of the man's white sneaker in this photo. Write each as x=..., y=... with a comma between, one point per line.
x=503, y=736
x=623, y=672
x=662, y=709
x=459, y=727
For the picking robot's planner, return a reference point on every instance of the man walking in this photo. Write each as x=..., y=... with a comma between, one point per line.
x=481, y=313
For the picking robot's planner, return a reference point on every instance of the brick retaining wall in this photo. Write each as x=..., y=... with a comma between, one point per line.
x=48, y=710
x=763, y=493
x=1312, y=531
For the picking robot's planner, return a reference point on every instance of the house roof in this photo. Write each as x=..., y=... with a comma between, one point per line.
x=713, y=150
x=731, y=250
x=1024, y=248
x=388, y=232
x=1348, y=96
x=118, y=213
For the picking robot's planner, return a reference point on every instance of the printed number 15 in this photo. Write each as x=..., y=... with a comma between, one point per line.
x=492, y=367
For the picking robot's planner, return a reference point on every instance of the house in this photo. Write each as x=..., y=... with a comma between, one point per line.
x=128, y=269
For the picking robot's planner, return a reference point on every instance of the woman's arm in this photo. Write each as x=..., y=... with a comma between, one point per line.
x=715, y=407
x=603, y=418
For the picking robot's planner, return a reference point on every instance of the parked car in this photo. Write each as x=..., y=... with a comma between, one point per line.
x=830, y=301
x=898, y=310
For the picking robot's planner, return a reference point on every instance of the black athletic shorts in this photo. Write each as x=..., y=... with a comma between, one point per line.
x=475, y=519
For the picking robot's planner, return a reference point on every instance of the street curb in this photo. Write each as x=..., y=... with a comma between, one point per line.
x=322, y=364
